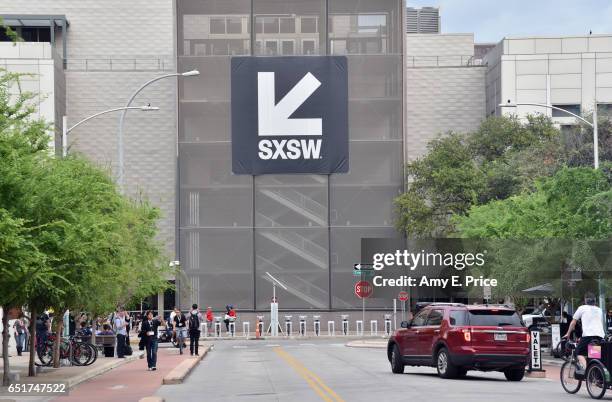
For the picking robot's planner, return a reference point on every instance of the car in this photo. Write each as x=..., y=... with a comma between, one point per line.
x=455, y=338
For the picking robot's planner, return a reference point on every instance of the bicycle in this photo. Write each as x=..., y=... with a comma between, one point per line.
x=570, y=383
x=74, y=349
x=596, y=376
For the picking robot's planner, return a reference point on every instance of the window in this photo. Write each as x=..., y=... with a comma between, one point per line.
x=287, y=25
x=287, y=47
x=570, y=108
x=217, y=25
x=604, y=109
x=420, y=318
x=270, y=25
x=308, y=47
x=435, y=318
x=234, y=25
x=458, y=317
x=271, y=47
x=308, y=24
x=495, y=318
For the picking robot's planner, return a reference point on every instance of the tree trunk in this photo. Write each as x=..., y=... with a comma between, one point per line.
x=59, y=328
x=32, y=339
x=6, y=381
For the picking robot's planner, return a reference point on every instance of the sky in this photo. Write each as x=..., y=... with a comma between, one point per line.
x=491, y=20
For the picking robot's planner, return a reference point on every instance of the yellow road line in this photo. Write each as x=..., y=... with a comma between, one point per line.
x=311, y=378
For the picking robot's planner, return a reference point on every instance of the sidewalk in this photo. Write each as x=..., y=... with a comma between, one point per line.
x=130, y=382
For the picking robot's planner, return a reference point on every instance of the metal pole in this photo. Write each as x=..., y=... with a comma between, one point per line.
x=394, y=314
x=64, y=136
x=595, y=138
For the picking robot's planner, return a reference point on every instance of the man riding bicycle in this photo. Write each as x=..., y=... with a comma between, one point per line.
x=592, y=329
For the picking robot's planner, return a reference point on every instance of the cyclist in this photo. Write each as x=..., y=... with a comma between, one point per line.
x=180, y=328
x=592, y=329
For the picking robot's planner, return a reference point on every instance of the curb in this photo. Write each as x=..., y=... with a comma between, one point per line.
x=151, y=399
x=178, y=374
x=72, y=382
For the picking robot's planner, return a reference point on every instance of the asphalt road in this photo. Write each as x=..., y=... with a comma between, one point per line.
x=326, y=370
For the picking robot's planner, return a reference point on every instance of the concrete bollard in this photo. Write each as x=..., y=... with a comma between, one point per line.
x=359, y=327
x=246, y=329
x=302, y=325
x=317, y=324
x=260, y=324
x=387, y=324
x=331, y=330
x=345, y=324
x=288, y=325
x=218, y=327
x=374, y=328
x=232, y=329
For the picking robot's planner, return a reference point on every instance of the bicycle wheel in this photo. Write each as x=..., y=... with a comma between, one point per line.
x=570, y=384
x=45, y=354
x=595, y=378
x=94, y=353
x=81, y=354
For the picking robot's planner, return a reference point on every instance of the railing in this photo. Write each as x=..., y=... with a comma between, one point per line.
x=144, y=63
x=443, y=61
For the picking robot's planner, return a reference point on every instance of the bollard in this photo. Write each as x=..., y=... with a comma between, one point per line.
x=387, y=324
x=359, y=326
x=232, y=329
x=345, y=324
x=302, y=325
x=374, y=328
x=260, y=324
x=288, y=325
x=317, y=324
x=331, y=330
x=246, y=329
x=217, y=327
x=206, y=334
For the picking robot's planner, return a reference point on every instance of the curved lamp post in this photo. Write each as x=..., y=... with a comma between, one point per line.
x=127, y=107
x=593, y=124
x=66, y=130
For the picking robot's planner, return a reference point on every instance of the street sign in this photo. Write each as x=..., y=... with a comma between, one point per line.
x=486, y=290
x=402, y=296
x=289, y=114
x=363, y=289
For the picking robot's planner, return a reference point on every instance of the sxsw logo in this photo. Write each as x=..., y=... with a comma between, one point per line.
x=289, y=115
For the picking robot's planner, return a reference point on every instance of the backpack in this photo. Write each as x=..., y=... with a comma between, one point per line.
x=194, y=322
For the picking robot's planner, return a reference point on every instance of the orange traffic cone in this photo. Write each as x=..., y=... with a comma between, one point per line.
x=257, y=330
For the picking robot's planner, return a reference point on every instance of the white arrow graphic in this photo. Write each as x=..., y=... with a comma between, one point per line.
x=274, y=117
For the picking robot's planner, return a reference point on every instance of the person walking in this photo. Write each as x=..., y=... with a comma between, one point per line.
x=209, y=320
x=180, y=329
x=21, y=331
x=120, y=330
x=148, y=332
x=195, y=318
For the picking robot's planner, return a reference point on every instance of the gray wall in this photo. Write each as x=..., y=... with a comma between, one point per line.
x=304, y=229
x=114, y=46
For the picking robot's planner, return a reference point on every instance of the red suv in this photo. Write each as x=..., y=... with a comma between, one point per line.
x=455, y=338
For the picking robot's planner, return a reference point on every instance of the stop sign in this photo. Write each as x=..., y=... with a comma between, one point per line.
x=402, y=296
x=363, y=289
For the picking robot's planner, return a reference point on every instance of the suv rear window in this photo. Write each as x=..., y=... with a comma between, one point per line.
x=495, y=318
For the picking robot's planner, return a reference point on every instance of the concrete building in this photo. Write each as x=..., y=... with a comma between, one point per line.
x=568, y=72
x=445, y=88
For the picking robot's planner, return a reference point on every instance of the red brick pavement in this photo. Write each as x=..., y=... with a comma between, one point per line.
x=127, y=383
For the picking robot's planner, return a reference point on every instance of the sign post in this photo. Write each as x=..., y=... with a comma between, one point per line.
x=403, y=297
x=363, y=290
x=535, y=363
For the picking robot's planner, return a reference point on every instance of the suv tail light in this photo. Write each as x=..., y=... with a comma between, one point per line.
x=467, y=335
x=527, y=337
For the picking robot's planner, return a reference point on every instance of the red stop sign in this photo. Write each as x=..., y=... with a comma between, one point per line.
x=363, y=289
x=402, y=296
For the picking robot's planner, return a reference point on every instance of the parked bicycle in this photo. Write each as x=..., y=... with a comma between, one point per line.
x=78, y=352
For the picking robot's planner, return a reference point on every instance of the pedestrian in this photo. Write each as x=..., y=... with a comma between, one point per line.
x=149, y=333
x=195, y=317
x=21, y=331
x=209, y=320
x=120, y=330
x=180, y=329
x=230, y=316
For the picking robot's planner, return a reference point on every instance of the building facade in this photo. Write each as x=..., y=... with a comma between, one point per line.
x=303, y=229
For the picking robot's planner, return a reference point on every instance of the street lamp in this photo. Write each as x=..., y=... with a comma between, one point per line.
x=66, y=130
x=122, y=118
x=592, y=124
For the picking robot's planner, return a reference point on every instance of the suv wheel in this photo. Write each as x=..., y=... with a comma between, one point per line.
x=397, y=363
x=446, y=369
x=514, y=374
